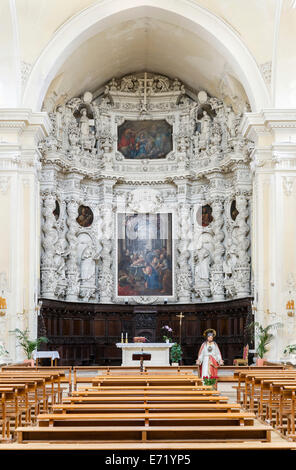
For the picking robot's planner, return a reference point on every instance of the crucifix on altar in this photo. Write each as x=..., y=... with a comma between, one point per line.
x=180, y=316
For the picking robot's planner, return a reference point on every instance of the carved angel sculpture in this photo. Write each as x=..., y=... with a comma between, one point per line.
x=202, y=270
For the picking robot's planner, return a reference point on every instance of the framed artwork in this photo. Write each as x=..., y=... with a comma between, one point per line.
x=204, y=215
x=144, y=255
x=56, y=211
x=233, y=210
x=85, y=216
x=151, y=139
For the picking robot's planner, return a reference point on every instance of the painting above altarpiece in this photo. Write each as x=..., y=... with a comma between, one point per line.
x=145, y=139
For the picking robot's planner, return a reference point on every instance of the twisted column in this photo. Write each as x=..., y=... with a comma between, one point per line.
x=49, y=238
x=184, y=276
x=106, y=276
x=72, y=271
x=242, y=271
x=217, y=281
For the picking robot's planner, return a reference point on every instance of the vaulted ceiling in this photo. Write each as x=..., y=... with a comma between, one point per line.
x=144, y=44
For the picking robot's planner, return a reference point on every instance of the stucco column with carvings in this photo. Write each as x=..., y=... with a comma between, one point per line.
x=217, y=281
x=106, y=284
x=49, y=238
x=242, y=269
x=72, y=271
x=184, y=277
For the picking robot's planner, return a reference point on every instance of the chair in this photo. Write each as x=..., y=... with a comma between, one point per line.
x=244, y=360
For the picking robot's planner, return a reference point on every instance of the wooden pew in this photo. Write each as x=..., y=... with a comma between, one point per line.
x=147, y=391
x=152, y=407
x=52, y=378
x=247, y=382
x=65, y=377
x=149, y=381
x=24, y=393
x=136, y=434
x=147, y=418
x=132, y=376
x=287, y=410
x=146, y=399
x=30, y=389
x=9, y=409
x=152, y=447
x=253, y=388
x=270, y=397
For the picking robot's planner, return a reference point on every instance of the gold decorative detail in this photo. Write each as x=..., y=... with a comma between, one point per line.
x=3, y=303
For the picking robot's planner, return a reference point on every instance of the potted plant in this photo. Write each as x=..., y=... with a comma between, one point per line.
x=4, y=354
x=291, y=350
x=176, y=354
x=166, y=331
x=264, y=336
x=27, y=344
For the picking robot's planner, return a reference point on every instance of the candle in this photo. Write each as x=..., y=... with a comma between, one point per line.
x=126, y=337
x=122, y=337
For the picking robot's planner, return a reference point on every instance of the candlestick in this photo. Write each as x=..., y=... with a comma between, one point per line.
x=122, y=337
x=126, y=338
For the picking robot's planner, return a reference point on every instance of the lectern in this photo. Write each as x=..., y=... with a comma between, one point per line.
x=142, y=356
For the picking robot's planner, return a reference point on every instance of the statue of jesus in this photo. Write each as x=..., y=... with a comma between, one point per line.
x=209, y=356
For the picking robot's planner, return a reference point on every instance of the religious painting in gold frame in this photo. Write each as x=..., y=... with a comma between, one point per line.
x=144, y=254
x=145, y=139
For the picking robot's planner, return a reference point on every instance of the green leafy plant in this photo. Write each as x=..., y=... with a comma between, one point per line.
x=3, y=351
x=176, y=352
x=291, y=349
x=27, y=344
x=263, y=336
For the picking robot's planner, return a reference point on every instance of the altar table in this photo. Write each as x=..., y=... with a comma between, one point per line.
x=160, y=353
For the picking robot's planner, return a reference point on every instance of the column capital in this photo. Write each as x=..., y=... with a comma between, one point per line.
x=270, y=126
x=20, y=126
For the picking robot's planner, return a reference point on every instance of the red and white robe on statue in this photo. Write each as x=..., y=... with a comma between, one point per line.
x=209, y=356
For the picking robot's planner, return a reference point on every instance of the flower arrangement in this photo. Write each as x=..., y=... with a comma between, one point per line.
x=167, y=331
x=209, y=380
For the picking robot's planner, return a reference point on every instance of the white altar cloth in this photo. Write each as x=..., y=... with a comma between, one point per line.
x=48, y=354
x=160, y=353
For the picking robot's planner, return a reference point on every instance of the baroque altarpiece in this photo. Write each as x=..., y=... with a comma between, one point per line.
x=146, y=196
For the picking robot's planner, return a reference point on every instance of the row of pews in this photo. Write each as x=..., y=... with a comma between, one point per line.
x=145, y=411
x=270, y=394
x=126, y=409
x=25, y=393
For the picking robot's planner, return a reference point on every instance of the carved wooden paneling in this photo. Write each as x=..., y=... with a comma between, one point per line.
x=86, y=333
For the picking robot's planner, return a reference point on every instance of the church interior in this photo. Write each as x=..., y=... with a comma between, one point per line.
x=147, y=255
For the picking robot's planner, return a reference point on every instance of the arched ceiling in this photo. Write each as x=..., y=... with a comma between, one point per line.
x=144, y=44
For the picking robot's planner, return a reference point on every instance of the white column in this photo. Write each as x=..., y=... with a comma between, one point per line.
x=274, y=221
x=20, y=132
